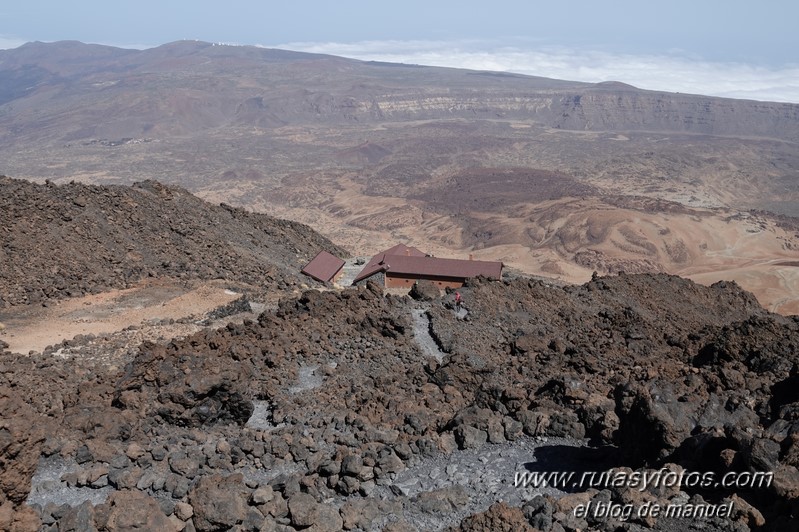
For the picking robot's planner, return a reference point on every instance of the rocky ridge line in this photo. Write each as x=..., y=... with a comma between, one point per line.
x=60, y=241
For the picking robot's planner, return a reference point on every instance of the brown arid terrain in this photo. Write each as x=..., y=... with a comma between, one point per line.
x=181, y=407
x=33, y=328
x=568, y=238
x=71, y=240
x=360, y=410
x=95, y=260
x=551, y=177
x=164, y=365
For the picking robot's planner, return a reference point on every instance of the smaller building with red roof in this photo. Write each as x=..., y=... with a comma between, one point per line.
x=324, y=267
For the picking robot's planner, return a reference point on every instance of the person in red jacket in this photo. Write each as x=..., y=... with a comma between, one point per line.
x=458, y=301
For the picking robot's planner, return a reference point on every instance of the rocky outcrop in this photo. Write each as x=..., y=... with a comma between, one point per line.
x=69, y=240
x=219, y=503
x=22, y=433
x=424, y=290
x=500, y=517
x=601, y=107
x=191, y=390
x=668, y=373
x=132, y=510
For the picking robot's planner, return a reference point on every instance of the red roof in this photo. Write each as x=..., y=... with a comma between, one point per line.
x=435, y=267
x=411, y=261
x=323, y=267
x=375, y=264
x=370, y=269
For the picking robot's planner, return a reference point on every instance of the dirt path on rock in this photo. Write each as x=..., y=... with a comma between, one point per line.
x=33, y=327
x=421, y=333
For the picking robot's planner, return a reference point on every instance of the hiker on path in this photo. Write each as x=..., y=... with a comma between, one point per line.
x=458, y=301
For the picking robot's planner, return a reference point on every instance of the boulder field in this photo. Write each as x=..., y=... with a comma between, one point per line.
x=312, y=416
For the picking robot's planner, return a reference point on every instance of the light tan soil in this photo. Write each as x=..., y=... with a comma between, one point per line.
x=33, y=327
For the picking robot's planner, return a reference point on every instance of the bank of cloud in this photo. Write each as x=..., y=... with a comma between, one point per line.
x=674, y=72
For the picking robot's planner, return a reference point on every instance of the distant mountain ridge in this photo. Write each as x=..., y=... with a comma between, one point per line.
x=551, y=177
x=298, y=88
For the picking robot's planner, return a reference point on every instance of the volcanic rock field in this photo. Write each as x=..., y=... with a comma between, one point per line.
x=165, y=366
x=357, y=409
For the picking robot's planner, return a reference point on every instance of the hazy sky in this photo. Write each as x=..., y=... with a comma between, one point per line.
x=723, y=47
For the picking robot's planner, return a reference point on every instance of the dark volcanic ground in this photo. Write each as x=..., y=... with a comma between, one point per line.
x=61, y=241
x=327, y=413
